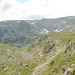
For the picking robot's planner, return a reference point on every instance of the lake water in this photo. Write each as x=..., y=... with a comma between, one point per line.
x=21, y=45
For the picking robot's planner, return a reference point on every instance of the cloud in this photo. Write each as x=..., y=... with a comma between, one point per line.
x=59, y=8
x=33, y=17
x=1, y=16
x=6, y=7
x=5, y=4
x=36, y=9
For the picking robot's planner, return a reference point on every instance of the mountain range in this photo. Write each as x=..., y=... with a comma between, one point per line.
x=51, y=50
x=28, y=30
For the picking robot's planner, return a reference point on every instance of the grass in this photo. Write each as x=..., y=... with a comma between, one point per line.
x=59, y=61
x=15, y=58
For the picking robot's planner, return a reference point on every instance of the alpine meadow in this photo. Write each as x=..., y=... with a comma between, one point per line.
x=38, y=47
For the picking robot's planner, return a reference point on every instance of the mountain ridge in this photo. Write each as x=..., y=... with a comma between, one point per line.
x=27, y=29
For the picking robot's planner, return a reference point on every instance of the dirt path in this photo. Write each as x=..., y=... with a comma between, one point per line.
x=39, y=68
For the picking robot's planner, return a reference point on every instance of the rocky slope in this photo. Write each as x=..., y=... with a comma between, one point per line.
x=55, y=54
x=51, y=54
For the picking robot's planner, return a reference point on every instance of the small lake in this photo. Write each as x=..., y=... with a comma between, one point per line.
x=21, y=45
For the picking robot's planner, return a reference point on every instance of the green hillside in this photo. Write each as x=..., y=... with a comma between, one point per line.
x=50, y=54
x=55, y=54
x=47, y=47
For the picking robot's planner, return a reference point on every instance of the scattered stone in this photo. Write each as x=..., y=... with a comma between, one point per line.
x=68, y=71
x=73, y=66
x=52, y=63
x=25, y=69
x=63, y=69
x=26, y=65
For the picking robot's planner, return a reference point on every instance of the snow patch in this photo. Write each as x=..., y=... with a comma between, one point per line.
x=32, y=23
x=46, y=30
x=67, y=26
x=64, y=22
x=59, y=30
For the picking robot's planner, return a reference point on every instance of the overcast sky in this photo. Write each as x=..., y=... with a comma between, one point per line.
x=35, y=9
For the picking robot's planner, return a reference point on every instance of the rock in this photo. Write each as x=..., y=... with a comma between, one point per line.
x=68, y=71
x=52, y=63
x=73, y=65
x=63, y=69
x=25, y=69
x=26, y=65
x=48, y=48
x=21, y=63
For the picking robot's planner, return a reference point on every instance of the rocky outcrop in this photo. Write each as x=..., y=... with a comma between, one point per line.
x=69, y=71
x=48, y=47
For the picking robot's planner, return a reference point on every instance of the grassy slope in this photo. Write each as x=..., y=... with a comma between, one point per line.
x=12, y=62
x=47, y=55
x=41, y=48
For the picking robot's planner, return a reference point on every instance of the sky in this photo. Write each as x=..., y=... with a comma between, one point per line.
x=35, y=9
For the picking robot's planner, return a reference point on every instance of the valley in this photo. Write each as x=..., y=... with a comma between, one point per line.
x=26, y=31
x=38, y=47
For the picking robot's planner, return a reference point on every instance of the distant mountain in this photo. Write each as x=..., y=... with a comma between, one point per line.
x=58, y=24
x=28, y=30
x=17, y=31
